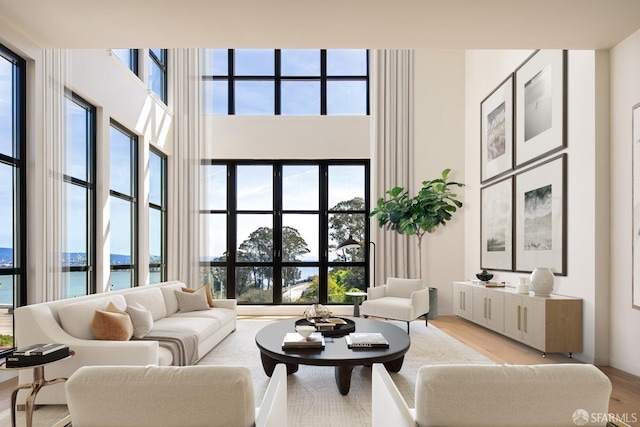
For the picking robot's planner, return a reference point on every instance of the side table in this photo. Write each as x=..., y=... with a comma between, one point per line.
x=35, y=386
x=356, y=301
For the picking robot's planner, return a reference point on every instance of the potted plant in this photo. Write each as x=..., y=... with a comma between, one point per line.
x=424, y=213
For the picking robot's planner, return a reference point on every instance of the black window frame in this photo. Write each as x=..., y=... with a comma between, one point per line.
x=231, y=78
x=324, y=211
x=162, y=64
x=133, y=199
x=90, y=186
x=133, y=60
x=163, y=209
x=18, y=161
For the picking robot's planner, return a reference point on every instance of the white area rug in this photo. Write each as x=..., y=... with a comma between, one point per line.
x=314, y=400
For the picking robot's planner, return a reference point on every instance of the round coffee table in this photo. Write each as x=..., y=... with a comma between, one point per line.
x=336, y=353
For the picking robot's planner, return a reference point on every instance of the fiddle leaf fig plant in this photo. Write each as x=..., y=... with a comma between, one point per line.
x=432, y=207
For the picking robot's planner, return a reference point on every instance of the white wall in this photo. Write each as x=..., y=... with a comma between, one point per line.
x=439, y=125
x=625, y=93
x=284, y=137
x=587, y=220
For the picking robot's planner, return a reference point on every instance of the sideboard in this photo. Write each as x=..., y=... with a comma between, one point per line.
x=550, y=324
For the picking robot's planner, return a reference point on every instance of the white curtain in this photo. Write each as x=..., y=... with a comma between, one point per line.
x=392, y=160
x=186, y=223
x=53, y=224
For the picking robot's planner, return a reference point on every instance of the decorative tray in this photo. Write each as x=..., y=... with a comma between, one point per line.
x=338, y=330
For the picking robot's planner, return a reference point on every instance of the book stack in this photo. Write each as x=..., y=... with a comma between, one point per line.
x=329, y=324
x=37, y=354
x=366, y=340
x=293, y=340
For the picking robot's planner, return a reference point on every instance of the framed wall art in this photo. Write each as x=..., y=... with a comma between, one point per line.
x=496, y=128
x=540, y=105
x=540, y=216
x=635, y=124
x=496, y=237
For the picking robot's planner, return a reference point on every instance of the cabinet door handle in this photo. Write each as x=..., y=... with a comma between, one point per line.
x=519, y=318
x=460, y=301
x=485, y=307
x=464, y=300
x=525, y=319
x=489, y=300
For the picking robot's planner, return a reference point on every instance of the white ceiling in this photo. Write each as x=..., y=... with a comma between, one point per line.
x=466, y=24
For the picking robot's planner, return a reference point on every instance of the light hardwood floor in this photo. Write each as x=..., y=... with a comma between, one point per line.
x=625, y=398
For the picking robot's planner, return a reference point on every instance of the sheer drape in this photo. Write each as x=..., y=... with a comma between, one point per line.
x=392, y=159
x=185, y=205
x=55, y=69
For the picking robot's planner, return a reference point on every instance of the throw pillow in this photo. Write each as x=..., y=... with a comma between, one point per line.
x=191, y=301
x=141, y=318
x=207, y=290
x=112, y=324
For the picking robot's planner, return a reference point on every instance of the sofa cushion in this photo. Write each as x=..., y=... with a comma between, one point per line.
x=207, y=290
x=390, y=308
x=75, y=318
x=151, y=298
x=141, y=318
x=192, y=301
x=202, y=327
x=170, y=299
x=111, y=324
x=402, y=288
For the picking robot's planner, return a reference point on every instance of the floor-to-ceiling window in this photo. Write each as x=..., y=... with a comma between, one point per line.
x=78, y=263
x=129, y=57
x=157, y=216
x=12, y=191
x=158, y=72
x=271, y=229
x=285, y=82
x=123, y=225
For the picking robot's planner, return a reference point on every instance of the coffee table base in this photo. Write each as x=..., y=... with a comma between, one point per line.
x=342, y=372
x=269, y=365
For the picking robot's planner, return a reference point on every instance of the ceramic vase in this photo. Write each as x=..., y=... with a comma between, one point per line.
x=541, y=281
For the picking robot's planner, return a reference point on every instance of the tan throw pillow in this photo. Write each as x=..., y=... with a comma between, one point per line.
x=112, y=324
x=191, y=301
x=141, y=318
x=207, y=290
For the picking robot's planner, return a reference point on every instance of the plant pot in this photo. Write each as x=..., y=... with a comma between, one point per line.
x=542, y=281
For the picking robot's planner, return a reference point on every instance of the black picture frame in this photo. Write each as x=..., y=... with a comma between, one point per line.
x=496, y=219
x=541, y=216
x=540, y=106
x=496, y=131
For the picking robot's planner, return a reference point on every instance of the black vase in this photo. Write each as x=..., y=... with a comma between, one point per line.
x=485, y=276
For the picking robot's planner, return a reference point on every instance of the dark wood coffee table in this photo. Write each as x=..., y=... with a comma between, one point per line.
x=336, y=353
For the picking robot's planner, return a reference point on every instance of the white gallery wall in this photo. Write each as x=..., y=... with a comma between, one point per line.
x=439, y=124
x=587, y=213
x=625, y=93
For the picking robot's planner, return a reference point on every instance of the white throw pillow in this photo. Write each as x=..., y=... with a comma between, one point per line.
x=192, y=301
x=141, y=318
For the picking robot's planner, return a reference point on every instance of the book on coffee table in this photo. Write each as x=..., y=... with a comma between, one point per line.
x=293, y=340
x=37, y=354
x=366, y=340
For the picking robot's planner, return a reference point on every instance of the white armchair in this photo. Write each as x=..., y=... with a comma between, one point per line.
x=170, y=396
x=399, y=299
x=494, y=395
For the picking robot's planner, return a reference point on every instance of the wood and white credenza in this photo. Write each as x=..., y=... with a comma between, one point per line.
x=550, y=324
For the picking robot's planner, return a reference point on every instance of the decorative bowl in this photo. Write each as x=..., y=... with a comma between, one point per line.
x=305, y=330
x=484, y=276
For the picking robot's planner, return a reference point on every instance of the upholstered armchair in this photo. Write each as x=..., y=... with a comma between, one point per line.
x=173, y=396
x=398, y=299
x=494, y=395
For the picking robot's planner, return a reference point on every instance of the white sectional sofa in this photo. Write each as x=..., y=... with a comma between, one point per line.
x=69, y=321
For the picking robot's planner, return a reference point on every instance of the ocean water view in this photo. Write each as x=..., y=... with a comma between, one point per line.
x=75, y=284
